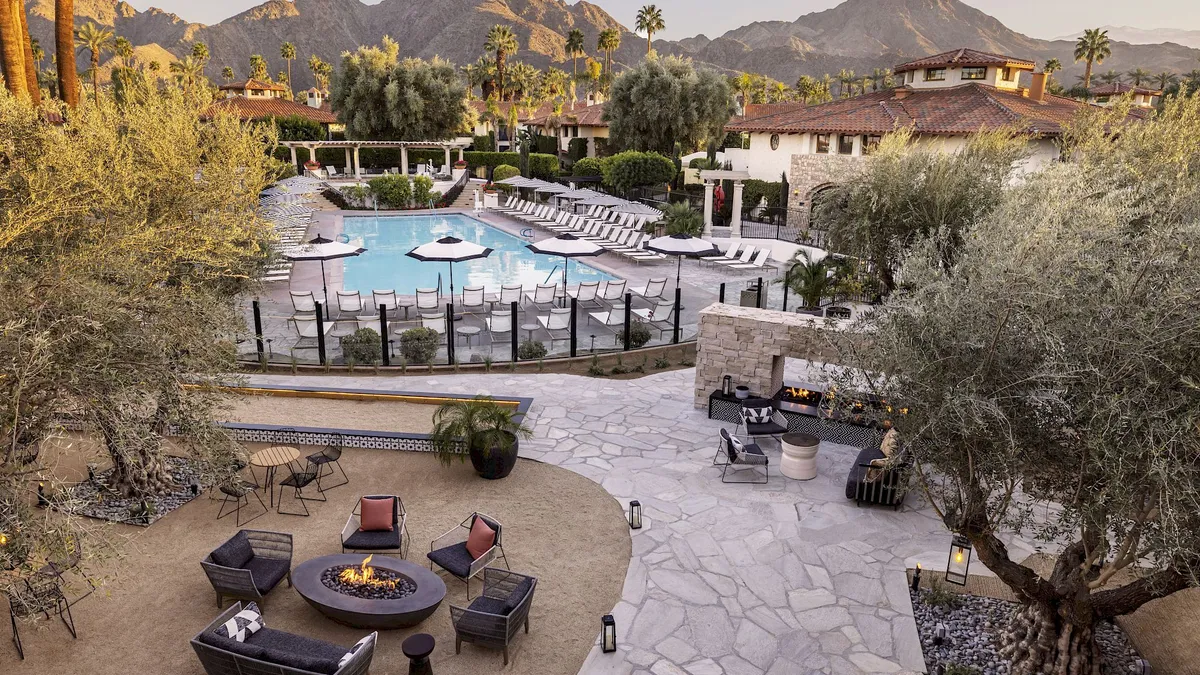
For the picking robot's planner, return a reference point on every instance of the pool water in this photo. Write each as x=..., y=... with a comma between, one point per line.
x=388, y=238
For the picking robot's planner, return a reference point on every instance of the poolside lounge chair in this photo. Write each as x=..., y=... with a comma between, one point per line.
x=449, y=551
x=612, y=319
x=616, y=239
x=435, y=322
x=747, y=254
x=388, y=299
x=349, y=304
x=614, y=292
x=544, y=294
x=473, y=299
x=427, y=301
x=303, y=302
x=306, y=329
x=508, y=295
x=499, y=322
x=730, y=254
x=586, y=292
x=658, y=317
x=653, y=290
x=557, y=323
x=760, y=260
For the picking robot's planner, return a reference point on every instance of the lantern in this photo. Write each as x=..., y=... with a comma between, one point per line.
x=608, y=634
x=635, y=515
x=41, y=496
x=940, y=633
x=727, y=386
x=916, y=580
x=959, y=561
x=1140, y=667
x=3, y=539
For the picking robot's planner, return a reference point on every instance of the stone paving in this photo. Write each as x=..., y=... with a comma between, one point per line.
x=787, y=577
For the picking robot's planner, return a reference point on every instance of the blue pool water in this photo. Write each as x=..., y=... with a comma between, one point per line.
x=388, y=239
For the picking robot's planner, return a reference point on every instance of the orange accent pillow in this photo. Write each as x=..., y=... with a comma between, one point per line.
x=375, y=515
x=481, y=538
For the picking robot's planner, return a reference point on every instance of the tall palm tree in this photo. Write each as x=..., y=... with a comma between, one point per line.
x=805, y=88
x=64, y=51
x=321, y=71
x=29, y=64
x=575, y=50
x=123, y=48
x=650, y=20
x=258, y=68
x=1110, y=77
x=200, y=54
x=1165, y=79
x=824, y=91
x=287, y=52
x=1093, y=47
x=845, y=80
x=227, y=74
x=1051, y=67
x=865, y=81
x=778, y=93
x=188, y=71
x=1138, y=75
x=12, y=53
x=877, y=78
x=608, y=42
x=501, y=41
x=96, y=40
x=555, y=82
x=524, y=80
x=39, y=53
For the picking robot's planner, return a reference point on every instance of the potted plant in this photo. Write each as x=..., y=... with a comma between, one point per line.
x=490, y=432
x=460, y=164
x=312, y=165
x=812, y=280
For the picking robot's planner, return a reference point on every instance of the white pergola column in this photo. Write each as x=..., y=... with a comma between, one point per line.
x=312, y=153
x=460, y=154
x=349, y=162
x=708, y=208
x=735, y=220
x=293, y=149
x=357, y=165
x=447, y=148
x=403, y=160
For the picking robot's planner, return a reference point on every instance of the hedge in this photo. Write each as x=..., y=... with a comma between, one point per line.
x=754, y=191
x=588, y=166
x=540, y=165
x=547, y=145
x=577, y=149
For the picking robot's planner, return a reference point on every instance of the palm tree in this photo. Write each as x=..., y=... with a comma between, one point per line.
x=845, y=80
x=650, y=20
x=824, y=91
x=575, y=49
x=502, y=42
x=39, y=53
x=287, y=52
x=258, y=68
x=1051, y=67
x=1165, y=79
x=12, y=51
x=1093, y=47
x=866, y=81
x=608, y=42
x=227, y=74
x=321, y=71
x=96, y=40
x=555, y=82
x=1110, y=77
x=778, y=93
x=877, y=78
x=154, y=66
x=523, y=80
x=804, y=87
x=188, y=71
x=1137, y=75
x=123, y=48
x=64, y=51
x=200, y=54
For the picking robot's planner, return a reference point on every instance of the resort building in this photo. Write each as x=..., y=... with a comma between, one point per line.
x=252, y=88
x=485, y=125
x=585, y=122
x=260, y=108
x=1106, y=94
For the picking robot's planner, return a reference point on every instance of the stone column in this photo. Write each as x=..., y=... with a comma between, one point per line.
x=460, y=154
x=312, y=154
x=708, y=208
x=403, y=160
x=357, y=164
x=293, y=149
x=735, y=221
x=447, y=157
x=349, y=161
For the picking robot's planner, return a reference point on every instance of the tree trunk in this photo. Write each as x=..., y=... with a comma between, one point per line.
x=96, y=75
x=1043, y=640
x=64, y=51
x=12, y=52
x=135, y=473
x=31, y=69
x=1087, y=75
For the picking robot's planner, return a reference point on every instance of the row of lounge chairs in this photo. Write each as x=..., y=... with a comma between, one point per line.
x=619, y=233
x=746, y=258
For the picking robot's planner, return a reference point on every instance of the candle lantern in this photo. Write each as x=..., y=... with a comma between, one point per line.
x=916, y=580
x=608, y=634
x=727, y=386
x=959, y=561
x=940, y=633
x=3, y=539
x=635, y=515
x=41, y=496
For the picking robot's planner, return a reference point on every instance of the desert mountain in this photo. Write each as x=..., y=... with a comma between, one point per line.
x=857, y=34
x=1141, y=36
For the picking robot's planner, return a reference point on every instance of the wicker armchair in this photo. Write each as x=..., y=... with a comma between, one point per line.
x=492, y=619
x=397, y=540
x=274, y=652
x=233, y=574
x=449, y=551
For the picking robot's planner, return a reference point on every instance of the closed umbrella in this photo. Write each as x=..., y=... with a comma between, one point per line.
x=682, y=246
x=449, y=250
x=636, y=208
x=322, y=249
x=603, y=200
x=567, y=246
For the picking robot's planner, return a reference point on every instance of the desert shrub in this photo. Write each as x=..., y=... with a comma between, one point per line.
x=588, y=166
x=937, y=595
x=419, y=345
x=530, y=350
x=363, y=347
x=639, y=335
x=630, y=169
x=395, y=191
x=422, y=188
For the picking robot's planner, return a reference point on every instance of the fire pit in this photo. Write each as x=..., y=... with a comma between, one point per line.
x=369, y=592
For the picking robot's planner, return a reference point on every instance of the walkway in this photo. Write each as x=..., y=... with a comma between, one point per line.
x=789, y=577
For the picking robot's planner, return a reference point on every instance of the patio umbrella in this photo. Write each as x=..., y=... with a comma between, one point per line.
x=567, y=246
x=552, y=188
x=518, y=181
x=449, y=250
x=322, y=249
x=578, y=193
x=682, y=246
x=637, y=208
x=603, y=200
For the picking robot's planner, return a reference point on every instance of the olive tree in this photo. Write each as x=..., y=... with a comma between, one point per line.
x=661, y=102
x=1051, y=377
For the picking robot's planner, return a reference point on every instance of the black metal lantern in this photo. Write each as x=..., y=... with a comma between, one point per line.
x=608, y=634
x=727, y=386
x=1140, y=667
x=959, y=561
x=916, y=580
x=41, y=496
x=940, y=633
x=635, y=515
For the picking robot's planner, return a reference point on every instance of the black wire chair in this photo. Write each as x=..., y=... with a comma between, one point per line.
x=330, y=457
x=40, y=594
x=297, y=482
x=239, y=491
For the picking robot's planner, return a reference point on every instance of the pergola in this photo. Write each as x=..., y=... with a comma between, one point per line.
x=710, y=178
x=352, y=148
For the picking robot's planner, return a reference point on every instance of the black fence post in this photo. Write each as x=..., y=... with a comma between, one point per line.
x=383, y=335
x=678, y=306
x=721, y=294
x=574, y=323
x=785, y=290
x=515, y=324
x=628, y=312
x=758, y=298
x=450, y=333
x=320, y=332
x=258, y=333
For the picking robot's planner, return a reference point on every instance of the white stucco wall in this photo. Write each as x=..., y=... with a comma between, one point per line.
x=916, y=78
x=763, y=163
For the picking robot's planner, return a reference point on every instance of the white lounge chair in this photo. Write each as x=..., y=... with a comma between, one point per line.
x=436, y=322
x=586, y=292
x=473, y=299
x=653, y=290
x=508, y=295
x=760, y=260
x=499, y=322
x=349, y=304
x=747, y=255
x=614, y=292
x=427, y=301
x=730, y=254
x=544, y=294
x=306, y=329
x=557, y=323
x=303, y=302
x=658, y=317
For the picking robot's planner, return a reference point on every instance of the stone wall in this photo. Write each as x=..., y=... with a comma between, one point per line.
x=812, y=171
x=751, y=344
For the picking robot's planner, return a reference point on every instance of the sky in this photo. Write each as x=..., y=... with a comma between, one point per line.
x=684, y=18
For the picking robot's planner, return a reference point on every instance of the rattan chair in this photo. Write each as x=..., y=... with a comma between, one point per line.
x=269, y=563
x=449, y=551
x=493, y=619
x=330, y=456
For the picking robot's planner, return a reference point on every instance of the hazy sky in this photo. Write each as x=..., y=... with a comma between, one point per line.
x=685, y=18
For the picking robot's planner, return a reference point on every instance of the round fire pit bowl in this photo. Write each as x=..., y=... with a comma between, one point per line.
x=358, y=612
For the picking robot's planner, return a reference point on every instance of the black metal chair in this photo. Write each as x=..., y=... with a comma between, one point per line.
x=760, y=417
x=397, y=540
x=449, y=551
x=330, y=457
x=68, y=562
x=738, y=454
x=493, y=619
x=297, y=482
x=239, y=491
x=42, y=594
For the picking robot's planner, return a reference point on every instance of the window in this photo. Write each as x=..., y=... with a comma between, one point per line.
x=774, y=141
x=869, y=143
x=822, y=144
x=974, y=73
x=1008, y=74
x=910, y=76
x=575, y=132
x=1102, y=99
x=935, y=74
x=566, y=132
x=845, y=144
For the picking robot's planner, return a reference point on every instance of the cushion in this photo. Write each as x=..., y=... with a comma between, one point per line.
x=518, y=594
x=246, y=649
x=764, y=429
x=735, y=447
x=297, y=651
x=373, y=541
x=487, y=605
x=481, y=539
x=758, y=415
x=267, y=573
x=243, y=624
x=858, y=472
x=234, y=553
x=891, y=440
x=454, y=559
x=357, y=646
x=375, y=515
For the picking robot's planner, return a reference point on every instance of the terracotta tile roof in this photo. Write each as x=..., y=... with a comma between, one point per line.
x=964, y=57
x=758, y=110
x=262, y=108
x=522, y=116
x=257, y=85
x=1121, y=88
x=582, y=116
x=964, y=109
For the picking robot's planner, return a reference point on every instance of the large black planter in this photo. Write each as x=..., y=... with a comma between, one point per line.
x=498, y=463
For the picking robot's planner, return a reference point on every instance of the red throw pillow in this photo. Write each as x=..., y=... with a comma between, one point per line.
x=375, y=515
x=481, y=538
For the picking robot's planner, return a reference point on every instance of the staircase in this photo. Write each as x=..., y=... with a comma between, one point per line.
x=466, y=199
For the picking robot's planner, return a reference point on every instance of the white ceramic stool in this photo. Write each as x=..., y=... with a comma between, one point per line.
x=799, y=456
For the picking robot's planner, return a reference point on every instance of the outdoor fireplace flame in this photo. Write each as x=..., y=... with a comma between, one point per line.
x=365, y=576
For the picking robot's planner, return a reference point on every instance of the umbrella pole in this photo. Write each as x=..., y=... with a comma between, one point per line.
x=565, y=261
x=324, y=289
x=678, y=269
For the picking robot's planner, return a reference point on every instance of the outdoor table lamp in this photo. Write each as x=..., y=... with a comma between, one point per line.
x=635, y=515
x=608, y=637
x=959, y=561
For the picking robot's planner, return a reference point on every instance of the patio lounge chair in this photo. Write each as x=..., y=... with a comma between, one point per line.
x=653, y=290
x=658, y=317
x=508, y=295
x=435, y=322
x=427, y=300
x=473, y=299
x=747, y=254
x=614, y=292
x=499, y=322
x=730, y=255
x=449, y=551
x=612, y=319
x=303, y=302
x=738, y=454
x=544, y=294
x=557, y=323
x=493, y=619
x=349, y=304
x=760, y=417
x=354, y=540
x=249, y=565
x=760, y=261
x=586, y=292
x=883, y=485
x=268, y=651
x=388, y=299
x=306, y=329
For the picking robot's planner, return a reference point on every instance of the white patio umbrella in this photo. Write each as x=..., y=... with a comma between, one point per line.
x=517, y=181
x=682, y=246
x=449, y=250
x=603, y=200
x=578, y=193
x=636, y=208
x=567, y=246
x=552, y=188
x=322, y=249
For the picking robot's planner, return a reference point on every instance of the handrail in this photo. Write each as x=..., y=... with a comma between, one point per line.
x=548, y=276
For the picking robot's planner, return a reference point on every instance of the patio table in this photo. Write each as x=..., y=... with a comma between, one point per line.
x=270, y=459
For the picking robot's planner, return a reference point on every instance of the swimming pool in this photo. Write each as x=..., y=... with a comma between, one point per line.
x=388, y=238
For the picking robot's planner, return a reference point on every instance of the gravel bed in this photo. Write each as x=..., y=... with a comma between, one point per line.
x=974, y=632
x=393, y=586
x=92, y=498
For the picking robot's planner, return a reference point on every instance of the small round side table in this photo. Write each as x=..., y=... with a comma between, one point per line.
x=799, y=456
x=418, y=648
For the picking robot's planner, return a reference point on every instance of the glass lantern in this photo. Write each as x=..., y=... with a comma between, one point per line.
x=635, y=515
x=959, y=561
x=608, y=634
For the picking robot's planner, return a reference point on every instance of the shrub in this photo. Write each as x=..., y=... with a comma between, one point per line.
x=547, y=145
x=419, y=345
x=938, y=595
x=483, y=143
x=422, y=189
x=395, y=191
x=661, y=363
x=588, y=166
x=577, y=149
x=530, y=350
x=505, y=171
x=363, y=347
x=297, y=128
x=754, y=191
x=602, y=149
x=630, y=169
x=540, y=166
x=639, y=335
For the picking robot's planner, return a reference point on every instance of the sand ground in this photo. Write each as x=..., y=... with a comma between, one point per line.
x=558, y=526
x=295, y=411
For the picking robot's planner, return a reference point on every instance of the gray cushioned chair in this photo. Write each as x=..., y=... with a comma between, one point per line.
x=449, y=551
x=885, y=486
x=771, y=423
x=750, y=455
x=397, y=540
x=493, y=619
x=249, y=565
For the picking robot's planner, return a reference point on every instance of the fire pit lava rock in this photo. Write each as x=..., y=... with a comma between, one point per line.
x=369, y=592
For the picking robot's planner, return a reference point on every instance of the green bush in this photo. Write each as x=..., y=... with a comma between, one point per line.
x=602, y=149
x=754, y=191
x=540, y=166
x=531, y=350
x=422, y=190
x=297, y=128
x=419, y=345
x=588, y=166
x=394, y=191
x=363, y=347
x=630, y=169
x=547, y=145
x=577, y=149
x=485, y=143
x=639, y=335
x=504, y=172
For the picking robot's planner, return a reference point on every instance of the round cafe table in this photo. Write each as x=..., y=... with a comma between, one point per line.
x=799, y=459
x=270, y=459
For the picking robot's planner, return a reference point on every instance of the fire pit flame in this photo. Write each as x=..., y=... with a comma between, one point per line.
x=365, y=576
